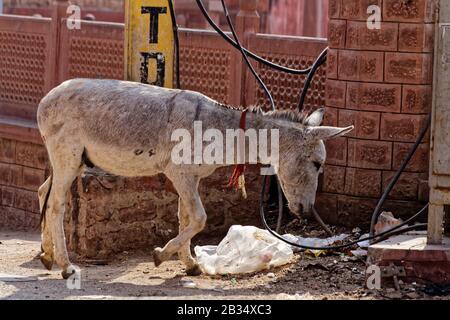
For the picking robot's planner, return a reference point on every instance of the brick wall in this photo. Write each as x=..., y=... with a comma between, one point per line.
x=380, y=81
x=22, y=171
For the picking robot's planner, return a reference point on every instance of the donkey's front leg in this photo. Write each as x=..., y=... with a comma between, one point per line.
x=187, y=188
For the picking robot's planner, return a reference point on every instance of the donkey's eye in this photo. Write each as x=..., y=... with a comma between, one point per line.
x=318, y=165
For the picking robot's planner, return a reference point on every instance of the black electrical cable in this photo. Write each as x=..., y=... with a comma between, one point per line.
x=377, y=211
x=319, y=61
x=385, y=233
x=247, y=52
x=244, y=55
x=177, y=44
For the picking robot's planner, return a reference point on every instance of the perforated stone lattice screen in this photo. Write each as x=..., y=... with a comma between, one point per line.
x=94, y=51
x=22, y=73
x=286, y=88
x=206, y=70
x=95, y=58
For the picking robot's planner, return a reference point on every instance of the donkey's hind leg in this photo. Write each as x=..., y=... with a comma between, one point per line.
x=65, y=157
x=185, y=255
x=47, y=241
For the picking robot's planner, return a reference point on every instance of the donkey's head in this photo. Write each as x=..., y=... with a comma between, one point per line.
x=302, y=156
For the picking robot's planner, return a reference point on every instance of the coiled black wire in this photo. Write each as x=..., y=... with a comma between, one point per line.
x=247, y=52
x=377, y=211
x=321, y=59
x=244, y=55
x=381, y=235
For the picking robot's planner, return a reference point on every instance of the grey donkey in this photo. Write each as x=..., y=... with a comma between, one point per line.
x=125, y=128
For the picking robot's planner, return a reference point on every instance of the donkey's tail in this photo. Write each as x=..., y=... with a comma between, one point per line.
x=44, y=194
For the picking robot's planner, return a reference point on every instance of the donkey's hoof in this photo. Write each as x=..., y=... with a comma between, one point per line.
x=68, y=272
x=194, y=271
x=157, y=257
x=47, y=261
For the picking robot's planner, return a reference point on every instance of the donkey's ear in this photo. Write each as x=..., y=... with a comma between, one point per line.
x=316, y=118
x=326, y=133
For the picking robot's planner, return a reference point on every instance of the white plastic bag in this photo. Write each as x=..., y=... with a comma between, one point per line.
x=245, y=249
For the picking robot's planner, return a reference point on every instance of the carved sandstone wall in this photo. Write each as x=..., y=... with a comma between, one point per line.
x=22, y=171
x=380, y=81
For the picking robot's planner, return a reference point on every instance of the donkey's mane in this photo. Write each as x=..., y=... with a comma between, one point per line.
x=288, y=115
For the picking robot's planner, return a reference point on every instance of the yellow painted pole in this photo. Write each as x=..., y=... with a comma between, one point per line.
x=149, y=42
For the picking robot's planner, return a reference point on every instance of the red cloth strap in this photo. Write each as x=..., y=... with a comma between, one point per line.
x=239, y=169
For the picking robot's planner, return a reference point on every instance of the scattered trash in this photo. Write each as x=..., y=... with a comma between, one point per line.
x=386, y=221
x=271, y=275
x=360, y=253
x=348, y=258
x=356, y=230
x=203, y=286
x=315, y=242
x=245, y=249
x=16, y=278
x=189, y=284
x=213, y=288
x=364, y=244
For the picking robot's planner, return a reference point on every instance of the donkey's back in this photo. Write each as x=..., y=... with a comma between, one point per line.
x=115, y=111
x=122, y=127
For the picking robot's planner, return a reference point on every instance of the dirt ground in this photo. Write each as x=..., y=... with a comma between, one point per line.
x=134, y=276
